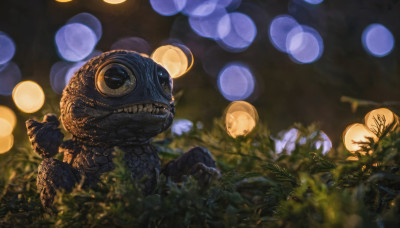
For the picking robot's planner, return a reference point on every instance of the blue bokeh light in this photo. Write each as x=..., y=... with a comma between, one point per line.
x=377, y=40
x=90, y=21
x=323, y=142
x=236, y=82
x=168, y=7
x=200, y=8
x=72, y=70
x=207, y=26
x=236, y=31
x=287, y=141
x=314, y=2
x=181, y=126
x=279, y=30
x=75, y=41
x=304, y=45
x=132, y=43
x=57, y=76
x=7, y=48
x=10, y=75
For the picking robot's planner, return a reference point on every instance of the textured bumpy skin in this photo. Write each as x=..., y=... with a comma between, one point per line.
x=118, y=99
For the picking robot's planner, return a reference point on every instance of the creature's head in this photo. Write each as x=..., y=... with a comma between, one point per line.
x=118, y=97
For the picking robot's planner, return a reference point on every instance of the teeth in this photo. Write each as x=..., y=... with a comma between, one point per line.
x=156, y=108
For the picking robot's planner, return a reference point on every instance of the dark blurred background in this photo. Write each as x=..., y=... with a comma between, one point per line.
x=286, y=92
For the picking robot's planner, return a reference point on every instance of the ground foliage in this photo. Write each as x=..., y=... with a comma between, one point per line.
x=258, y=187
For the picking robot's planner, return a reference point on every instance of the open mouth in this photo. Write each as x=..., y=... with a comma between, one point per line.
x=148, y=108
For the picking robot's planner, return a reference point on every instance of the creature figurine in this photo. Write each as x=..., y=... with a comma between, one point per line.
x=116, y=99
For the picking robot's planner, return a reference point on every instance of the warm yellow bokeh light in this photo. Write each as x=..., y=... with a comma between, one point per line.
x=28, y=96
x=63, y=1
x=356, y=133
x=6, y=143
x=177, y=60
x=9, y=115
x=381, y=115
x=5, y=128
x=114, y=1
x=240, y=118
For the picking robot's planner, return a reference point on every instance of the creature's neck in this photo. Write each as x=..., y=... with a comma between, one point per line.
x=110, y=143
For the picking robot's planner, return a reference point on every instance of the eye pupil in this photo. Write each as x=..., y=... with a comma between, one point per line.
x=165, y=80
x=115, y=77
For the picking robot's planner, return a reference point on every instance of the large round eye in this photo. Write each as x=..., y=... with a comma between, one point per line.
x=164, y=79
x=115, y=80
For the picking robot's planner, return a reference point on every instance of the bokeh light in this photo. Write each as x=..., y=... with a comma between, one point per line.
x=236, y=82
x=6, y=143
x=114, y=1
x=324, y=142
x=28, y=96
x=7, y=48
x=57, y=76
x=207, y=26
x=377, y=40
x=356, y=133
x=72, y=70
x=168, y=7
x=181, y=126
x=62, y=1
x=75, y=41
x=8, y=120
x=90, y=21
x=10, y=75
x=240, y=119
x=287, y=141
x=314, y=2
x=137, y=44
x=304, y=45
x=279, y=30
x=199, y=8
x=177, y=59
x=236, y=32
x=379, y=119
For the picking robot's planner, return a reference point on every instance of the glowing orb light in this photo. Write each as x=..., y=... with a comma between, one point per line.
x=28, y=96
x=379, y=119
x=314, y=2
x=72, y=70
x=177, y=59
x=114, y=1
x=57, y=76
x=240, y=118
x=181, y=126
x=7, y=48
x=304, y=45
x=8, y=120
x=90, y=21
x=6, y=143
x=199, y=8
x=356, y=133
x=168, y=7
x=236, y=31
x=287, y=141
x=137, y=44
x=207, y=26
x=324, y=142
x=279, y=30
x=236, y=82
x=10, y=75
x=377, y=40
x=62, y=1
x=75, y=41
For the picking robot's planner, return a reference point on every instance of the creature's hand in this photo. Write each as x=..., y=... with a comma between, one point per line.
x=197, y=162
x=45, y=137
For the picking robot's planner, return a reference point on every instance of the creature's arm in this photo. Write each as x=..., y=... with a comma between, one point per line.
x=45, y=137
x=197, y=162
